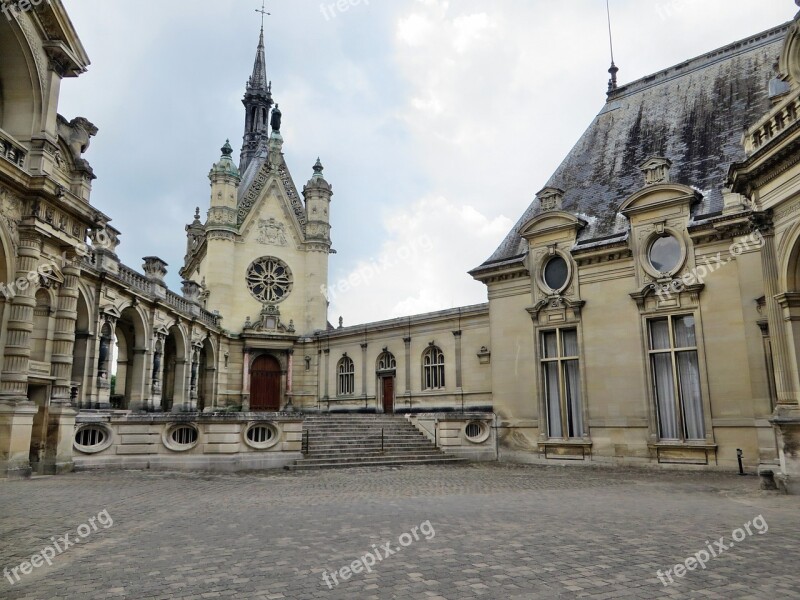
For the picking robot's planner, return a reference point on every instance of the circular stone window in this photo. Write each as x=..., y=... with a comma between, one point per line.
x=181, y=438
x=665, y=253
x=261, y=436
x=92, y=438
x=476, y=432
x=556, y=273
x=269, y=280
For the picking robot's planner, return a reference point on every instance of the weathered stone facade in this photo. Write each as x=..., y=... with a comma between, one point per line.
x=642, y=311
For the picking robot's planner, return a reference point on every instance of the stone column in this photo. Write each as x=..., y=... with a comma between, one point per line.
x=16, y=411
x=289, y=375
x=192, y=407
x=327, y=372
x=158, y=371
x=786, y=394
x=64, y=336
x=104, y=342
x=364, y=370
x=180, y=399
x=246, y=381
x=16, y=361
x=61, y=417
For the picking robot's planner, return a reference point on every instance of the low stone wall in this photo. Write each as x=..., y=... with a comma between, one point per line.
x=470, y=435
x=192, y=442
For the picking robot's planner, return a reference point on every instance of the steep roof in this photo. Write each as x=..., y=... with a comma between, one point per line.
x=693, y=114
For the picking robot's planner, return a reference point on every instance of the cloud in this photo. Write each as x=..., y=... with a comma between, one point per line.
x=422, y=265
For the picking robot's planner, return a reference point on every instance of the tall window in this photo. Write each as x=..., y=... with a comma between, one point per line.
x=562, y=383
x=347, y=377
x=676, y=378
x=433, y=369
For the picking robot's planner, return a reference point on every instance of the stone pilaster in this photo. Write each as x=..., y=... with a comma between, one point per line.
x=407, y=342
x=64, y=336
x=784, y=379
x=459, y=377
x=16, y=362
x=364, y=370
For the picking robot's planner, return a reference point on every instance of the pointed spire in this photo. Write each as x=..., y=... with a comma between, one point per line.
x=318, y=168
x=258, y=80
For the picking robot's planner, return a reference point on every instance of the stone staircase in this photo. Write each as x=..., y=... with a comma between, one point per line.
x=336, y=441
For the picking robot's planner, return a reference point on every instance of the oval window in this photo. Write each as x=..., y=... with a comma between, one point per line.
x=665, y=253
x=556, y=273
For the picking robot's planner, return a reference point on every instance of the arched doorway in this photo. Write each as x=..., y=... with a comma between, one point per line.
x=265, y=384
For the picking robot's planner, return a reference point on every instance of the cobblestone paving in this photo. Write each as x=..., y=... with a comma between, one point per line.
x=505, y=532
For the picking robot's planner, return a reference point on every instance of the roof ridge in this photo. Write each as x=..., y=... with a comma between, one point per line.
x=762, y=38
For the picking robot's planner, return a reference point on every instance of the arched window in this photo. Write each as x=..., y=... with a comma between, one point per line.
x=387, y=362
x=433, y=369
x=347, y=376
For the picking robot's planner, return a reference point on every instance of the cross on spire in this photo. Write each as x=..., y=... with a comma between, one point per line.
x=263, y=12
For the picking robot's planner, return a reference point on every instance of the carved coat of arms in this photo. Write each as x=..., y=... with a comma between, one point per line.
x=271, y=233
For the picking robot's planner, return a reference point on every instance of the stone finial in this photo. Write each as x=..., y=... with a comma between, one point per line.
x=191, y=290
x=551, y=199
x=656, y=170
x=154, y=268
x=341, y=322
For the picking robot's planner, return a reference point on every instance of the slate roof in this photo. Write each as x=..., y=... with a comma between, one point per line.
x=693, y=113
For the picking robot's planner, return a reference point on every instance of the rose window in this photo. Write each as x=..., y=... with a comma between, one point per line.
x=269, y=280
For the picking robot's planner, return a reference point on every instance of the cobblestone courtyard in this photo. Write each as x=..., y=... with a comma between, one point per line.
x=502, y=532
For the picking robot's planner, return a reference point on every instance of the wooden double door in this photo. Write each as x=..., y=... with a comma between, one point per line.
x=265, y=384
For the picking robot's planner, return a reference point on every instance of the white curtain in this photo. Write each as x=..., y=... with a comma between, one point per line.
x=553, y=400
x=572, y=377
x=663, y=380
x=689, y=380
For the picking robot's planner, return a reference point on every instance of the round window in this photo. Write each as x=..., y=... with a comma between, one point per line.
x=261, y=436
x=556, y=273
x=93, y=438
x=181, y=438
x=665, y=253
x=477, y=432
x=269, y=280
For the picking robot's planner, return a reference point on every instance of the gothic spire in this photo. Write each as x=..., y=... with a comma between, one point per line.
x=257, y=103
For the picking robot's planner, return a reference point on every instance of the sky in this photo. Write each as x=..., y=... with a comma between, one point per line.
x=437, y=121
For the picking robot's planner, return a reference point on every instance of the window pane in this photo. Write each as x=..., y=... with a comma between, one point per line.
x=556, y=273
x=659, y=334
x=684, y=332
x=689, y=382
x=572, y=379
x=569, y=343
x=550, y=344
x=553, y=400
x=665, y=396
x=665, y=254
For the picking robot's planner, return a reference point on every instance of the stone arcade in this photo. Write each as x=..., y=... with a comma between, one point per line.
x=664, y=230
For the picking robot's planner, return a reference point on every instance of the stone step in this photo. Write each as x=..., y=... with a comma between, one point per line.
x=376, y=452
x=302, y=465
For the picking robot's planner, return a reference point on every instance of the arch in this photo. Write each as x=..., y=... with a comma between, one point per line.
x=20, y=86
x=433, y=365
x=789, y=62
x=789, y=275
x=176, y=353
x=386, y=362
